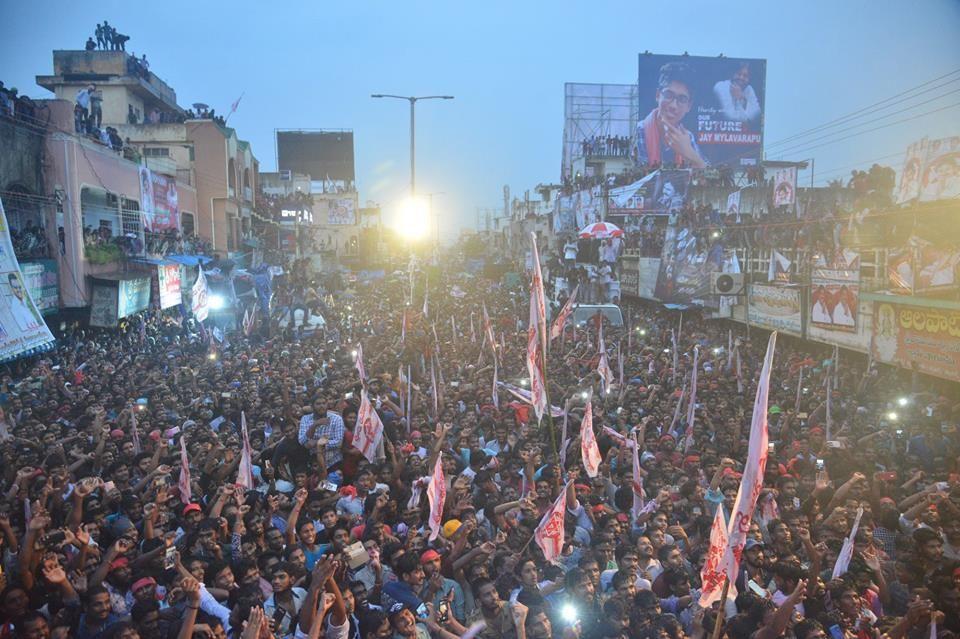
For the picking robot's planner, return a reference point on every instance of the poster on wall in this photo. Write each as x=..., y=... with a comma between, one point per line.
x=937, y=269
x=900, y=278
x=341, y=211
x=22, y=329
x=41, y=279
x=103, y=306
x=587, y=206
x=785, y=186
x=909, y=336
x=909, y=187
x=775, y=307
x=159, y=208
x=695, y=112
x=168, y=276
x=940, y=177
x=835, y=290
x=133, y=296
x=564, y=218
x=685, y=269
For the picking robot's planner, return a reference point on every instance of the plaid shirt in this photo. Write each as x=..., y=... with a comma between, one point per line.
x=333, y=430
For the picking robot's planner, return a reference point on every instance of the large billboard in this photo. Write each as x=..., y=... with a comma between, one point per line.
x=931, y=171
x=341, y=211
x=159, y=209
x=598, y=120
x=775, y=307
x=323, y=155
x=685, y=268
x=22, y=329
x=928, y=338
x=697, y=111
x=835, y=290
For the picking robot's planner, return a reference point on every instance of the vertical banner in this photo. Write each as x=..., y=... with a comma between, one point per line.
x=159, y=206
x=733, y=205
x=940, y=178
x=835, y=290
x=900, y=273
x=168, y=276
x=22, y=329
x=785, y=186
x=199, y=303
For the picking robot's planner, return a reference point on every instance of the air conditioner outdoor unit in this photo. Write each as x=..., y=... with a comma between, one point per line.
x=726, y=283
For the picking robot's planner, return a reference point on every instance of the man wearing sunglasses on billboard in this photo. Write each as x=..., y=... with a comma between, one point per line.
x=661, y=137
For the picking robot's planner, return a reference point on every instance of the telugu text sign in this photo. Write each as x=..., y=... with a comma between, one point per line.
x=776, y=307
x=909, y=336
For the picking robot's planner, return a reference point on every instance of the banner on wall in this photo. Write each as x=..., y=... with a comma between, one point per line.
x=103, y=306
x=341, y=211
x=168, y=276
x=900, y=277
x=714, y=103
x=785, y=186
x=909, y=187
x=937, y=269
x=133, y=296
x=940, y=177
x=909, y=336
x=775, y=307
x=588, y=206
x=564, y=218
x=685, y=269
x=22, y=329
x=661, y=192
x=835, y=290
x=41, y=279
x=159, y=207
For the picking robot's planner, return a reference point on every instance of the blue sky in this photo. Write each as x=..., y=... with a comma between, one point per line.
x=315, y=64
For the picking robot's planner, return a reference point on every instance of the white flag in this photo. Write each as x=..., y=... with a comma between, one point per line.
x=199, y=303
x=589, y=450
x=245, y=469
x=712, y=573
x=361, y=370
x=184, y=481
x=557, y=328
x=752, y=481
x=436, y=495
x=549, y=534
x=692, y=407
x=538, y=391
x=846, y=551
x=637, y=480
x=369, y=429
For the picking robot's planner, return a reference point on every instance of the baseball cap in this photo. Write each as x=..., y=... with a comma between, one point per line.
x=753, y=543
x=189, y=508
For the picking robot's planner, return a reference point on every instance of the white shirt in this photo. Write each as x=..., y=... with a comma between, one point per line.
x=742, y=110
x=24, y=317
x=570, y=251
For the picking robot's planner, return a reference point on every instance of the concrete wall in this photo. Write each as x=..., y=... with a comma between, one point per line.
x=20, y=157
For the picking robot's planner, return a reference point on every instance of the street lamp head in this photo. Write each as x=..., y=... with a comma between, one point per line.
x=376, y=95
x=447, y=97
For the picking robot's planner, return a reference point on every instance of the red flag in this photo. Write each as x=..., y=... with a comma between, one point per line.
x=712, y=573
x=557, y=328
x=752, y=481
x=369, y=429
x=589, y=450
x=359, y=364
x=550, y=533
x=245, y=469
x=538, y=392
x=436, y=495
x=184, y=483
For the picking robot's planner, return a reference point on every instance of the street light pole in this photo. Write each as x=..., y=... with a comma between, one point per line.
x=413, y=101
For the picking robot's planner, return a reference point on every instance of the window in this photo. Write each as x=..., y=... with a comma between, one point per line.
x=187, y=223
x=156, y=152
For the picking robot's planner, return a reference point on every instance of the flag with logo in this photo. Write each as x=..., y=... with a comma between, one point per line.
x=711, y=575
x=637, y=480
x=198, y=298
x=436, y=495
x=538, y=391
x=751, y=483
x=846, y=551
x=245, y=469
x=549, y=534
x=368, y=431
x=557, y=328
x=589, y=450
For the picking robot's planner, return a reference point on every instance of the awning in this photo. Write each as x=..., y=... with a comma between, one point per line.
x=190, y=260
x=155, y=261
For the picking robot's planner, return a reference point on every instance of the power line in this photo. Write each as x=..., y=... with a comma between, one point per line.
x=869, y=106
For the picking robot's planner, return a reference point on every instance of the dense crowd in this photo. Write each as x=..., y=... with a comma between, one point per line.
x=126, y=514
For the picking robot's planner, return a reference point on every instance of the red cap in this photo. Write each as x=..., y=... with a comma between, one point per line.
x=119, y=562
x=189, y=508
x=581, y=487
x=143, y=582
x=816, y=430
x=428, y=556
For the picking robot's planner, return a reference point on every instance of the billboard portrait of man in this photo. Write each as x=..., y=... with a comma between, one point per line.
x=737, y=99
x=661, y=136
x=20, y=308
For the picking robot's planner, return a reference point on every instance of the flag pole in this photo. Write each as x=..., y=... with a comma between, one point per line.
x=718, y=624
